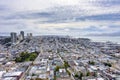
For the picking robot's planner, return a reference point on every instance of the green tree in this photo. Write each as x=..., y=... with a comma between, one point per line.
x=76, y=75
x=88, y=74
x=25, y=56
x=18, y=59
x=66, y=65
x=107, y=64
x=68, y=72
x=81, y=75
x=57, y=68
x=92, y=62
x=32, y=56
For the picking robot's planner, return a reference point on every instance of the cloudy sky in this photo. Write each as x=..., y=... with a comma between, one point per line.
x=61, y=17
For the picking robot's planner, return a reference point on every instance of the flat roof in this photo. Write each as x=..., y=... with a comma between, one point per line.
x=9, y=74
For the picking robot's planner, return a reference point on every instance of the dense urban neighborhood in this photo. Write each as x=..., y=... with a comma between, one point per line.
x=57, y=58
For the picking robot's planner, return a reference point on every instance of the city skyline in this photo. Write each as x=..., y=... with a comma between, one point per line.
x=59, y=40
x=63, y=17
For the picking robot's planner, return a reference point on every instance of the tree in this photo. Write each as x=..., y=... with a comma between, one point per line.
x=92, y=62
x=57, y=68
x=18, y=59
x=76, y=75
x=25, y=56
x=66, y=65
x=33, y=74
x=81, y=75
x=88, y=74
x=107, y=64
x=68, y=72
x=32, y=56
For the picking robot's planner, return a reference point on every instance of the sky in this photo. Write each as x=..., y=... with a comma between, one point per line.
x=61, y=17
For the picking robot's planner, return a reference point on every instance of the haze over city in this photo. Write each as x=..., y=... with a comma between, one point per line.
x=59, y=39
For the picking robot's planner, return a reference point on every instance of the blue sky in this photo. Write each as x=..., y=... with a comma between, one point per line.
x=61, y=17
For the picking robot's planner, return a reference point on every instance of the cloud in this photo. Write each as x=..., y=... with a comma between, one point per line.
x=114, y=34
x=79, y=17
x=107, y=3
x=107, y=17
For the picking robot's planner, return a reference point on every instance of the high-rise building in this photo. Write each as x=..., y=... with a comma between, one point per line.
x=22, y=35
x=29, y=35
x=13, y=37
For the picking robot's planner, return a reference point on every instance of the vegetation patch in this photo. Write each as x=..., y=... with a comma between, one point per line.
x=25, y=56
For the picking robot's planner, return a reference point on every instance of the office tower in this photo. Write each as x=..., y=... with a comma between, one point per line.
x=22, y=35
x=29, y=35
x=13, y=37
